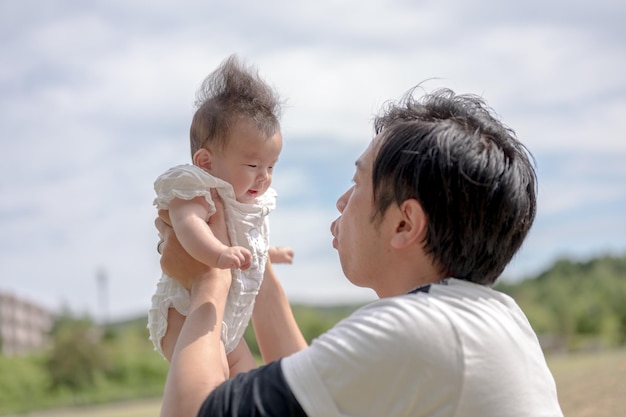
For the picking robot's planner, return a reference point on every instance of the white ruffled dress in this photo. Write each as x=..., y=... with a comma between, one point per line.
x=248, y=226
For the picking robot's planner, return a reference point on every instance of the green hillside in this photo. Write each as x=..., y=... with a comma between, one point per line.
x=576, y=305
x=573, y=306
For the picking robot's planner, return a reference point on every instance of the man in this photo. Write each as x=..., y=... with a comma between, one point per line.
x=442, y=199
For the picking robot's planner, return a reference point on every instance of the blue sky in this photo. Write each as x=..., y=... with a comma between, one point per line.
x=96, y=99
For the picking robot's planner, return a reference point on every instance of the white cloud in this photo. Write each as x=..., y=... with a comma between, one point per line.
x=571, y=182
x=96, y=100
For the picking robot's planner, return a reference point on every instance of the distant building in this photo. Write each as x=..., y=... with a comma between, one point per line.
x=24, y=325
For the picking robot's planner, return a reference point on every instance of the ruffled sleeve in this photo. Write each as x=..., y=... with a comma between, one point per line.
x=186, y=182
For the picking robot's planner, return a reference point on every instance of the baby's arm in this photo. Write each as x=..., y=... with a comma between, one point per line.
x=189, y=220
x=280, y=254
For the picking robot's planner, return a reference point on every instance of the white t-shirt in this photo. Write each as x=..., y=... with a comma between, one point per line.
x=248, y=226
x=450, y=349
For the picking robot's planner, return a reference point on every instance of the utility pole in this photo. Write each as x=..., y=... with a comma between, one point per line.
x=103, y=299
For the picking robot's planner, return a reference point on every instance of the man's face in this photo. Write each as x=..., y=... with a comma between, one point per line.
x=356, y=237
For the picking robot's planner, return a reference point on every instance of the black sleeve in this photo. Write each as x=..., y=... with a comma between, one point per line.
x=262, y=392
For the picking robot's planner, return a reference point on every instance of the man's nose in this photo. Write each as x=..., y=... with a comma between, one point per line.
x=343, y=200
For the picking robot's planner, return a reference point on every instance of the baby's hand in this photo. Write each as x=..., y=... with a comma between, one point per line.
x=280, y=254
x=235, y=257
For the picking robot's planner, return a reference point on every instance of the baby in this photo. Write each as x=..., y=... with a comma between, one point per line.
x=235, y=143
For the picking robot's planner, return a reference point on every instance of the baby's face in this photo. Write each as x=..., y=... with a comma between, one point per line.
x=248, y=161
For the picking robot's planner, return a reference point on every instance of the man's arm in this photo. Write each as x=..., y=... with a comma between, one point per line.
x=196, y=379
x=198, y=358
x=196, y=365
x=276, y=330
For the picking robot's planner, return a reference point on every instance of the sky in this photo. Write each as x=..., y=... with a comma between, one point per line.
x=96, y=99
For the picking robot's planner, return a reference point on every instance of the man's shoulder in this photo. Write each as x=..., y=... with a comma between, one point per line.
x=447, y=290
x=442, y=308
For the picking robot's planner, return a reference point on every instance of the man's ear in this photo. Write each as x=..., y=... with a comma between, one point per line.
x=203, y=158
x=411, y=225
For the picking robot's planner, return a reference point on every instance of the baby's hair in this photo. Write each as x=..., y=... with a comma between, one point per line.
x=232, y=91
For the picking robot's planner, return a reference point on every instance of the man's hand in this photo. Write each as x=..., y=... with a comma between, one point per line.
x=175, y=261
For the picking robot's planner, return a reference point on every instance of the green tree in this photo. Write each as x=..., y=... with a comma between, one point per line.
x=77, y=355
x=576, y=305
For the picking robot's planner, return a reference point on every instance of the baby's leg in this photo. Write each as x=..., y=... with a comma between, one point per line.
x=240, y=359
x=175, y=322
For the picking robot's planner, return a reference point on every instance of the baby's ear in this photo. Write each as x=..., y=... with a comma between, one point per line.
x=203, y=158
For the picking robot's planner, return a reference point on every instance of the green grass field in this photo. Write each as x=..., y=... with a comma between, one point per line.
x=589, y=385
